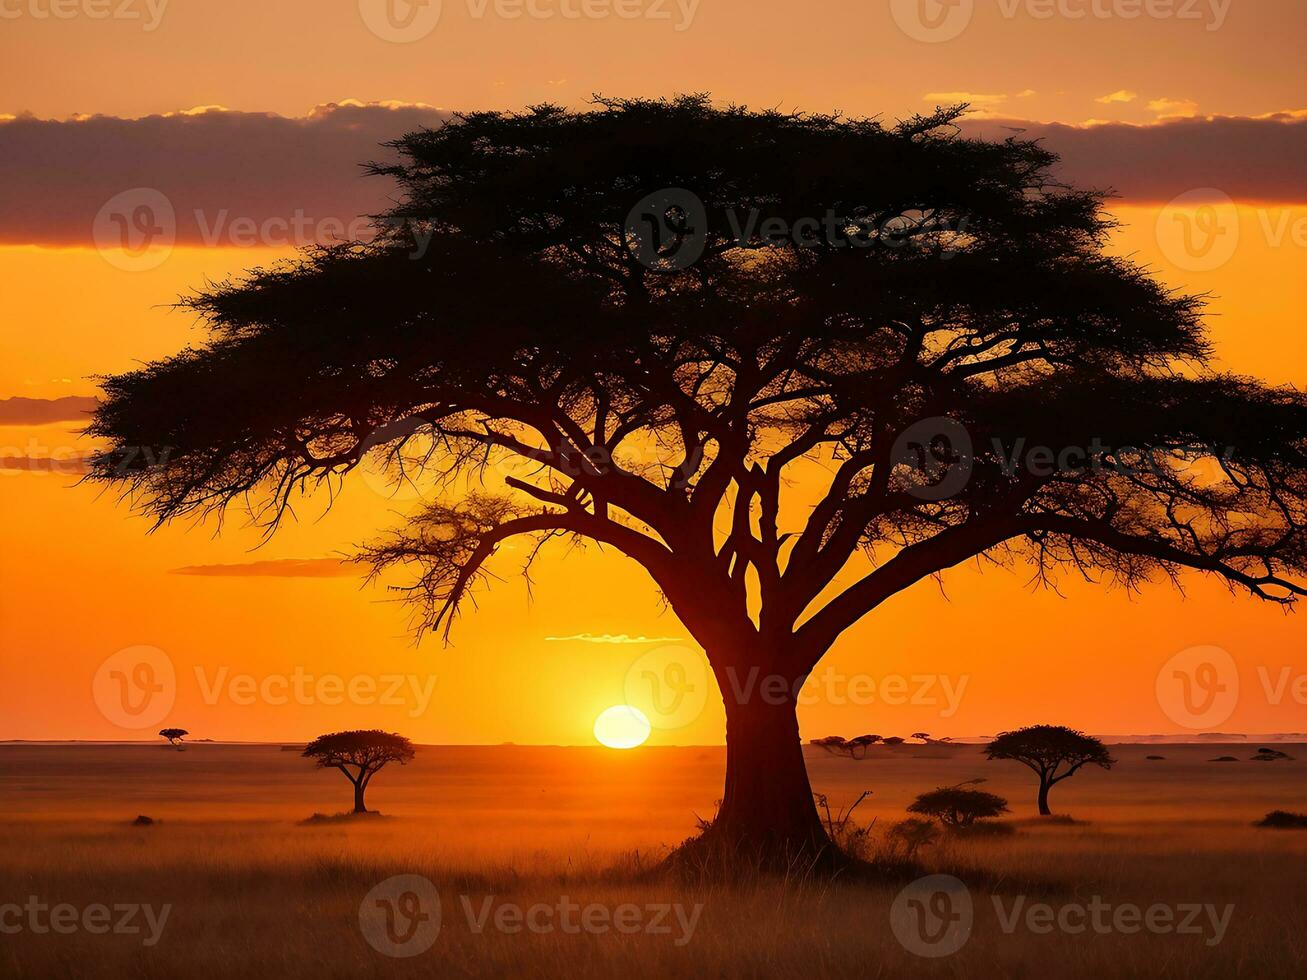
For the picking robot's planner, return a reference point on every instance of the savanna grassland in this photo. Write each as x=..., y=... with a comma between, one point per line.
x=251, y=889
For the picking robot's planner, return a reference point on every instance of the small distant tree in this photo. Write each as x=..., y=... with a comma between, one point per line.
x=956, y=807
x=893, y=740
x=174, y=735
x=912, y=834
x=1053, y=752
x=854, y=748
x=360, y=755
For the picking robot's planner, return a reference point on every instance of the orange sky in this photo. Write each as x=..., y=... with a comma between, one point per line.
x=80, y=579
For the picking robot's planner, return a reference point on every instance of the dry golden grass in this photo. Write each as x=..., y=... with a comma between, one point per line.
x=254, y=893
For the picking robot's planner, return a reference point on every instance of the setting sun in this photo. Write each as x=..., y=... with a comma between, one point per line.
x=622, y=727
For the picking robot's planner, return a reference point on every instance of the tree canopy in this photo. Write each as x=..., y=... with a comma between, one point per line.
x=956, y=807
x=652, y=400
x=368, y=750
x=1046, y=748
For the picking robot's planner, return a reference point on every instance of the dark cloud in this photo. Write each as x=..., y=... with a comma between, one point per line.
x=217, y=167
x=1254, y=160
x=275, y=568
x=39, y=411
x=55, y=176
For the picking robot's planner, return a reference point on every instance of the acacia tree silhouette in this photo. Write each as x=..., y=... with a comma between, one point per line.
x=670, y=323
x=368, y=752
x=1046, y=750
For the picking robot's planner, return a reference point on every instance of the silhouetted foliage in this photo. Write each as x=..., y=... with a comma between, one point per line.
x=1053, y=752
x=942, y=339
x=854, y=748
x=1265, y=754
x=365, y=752
x=841, y=829
x=1284, y=820
x=956, y=807
x=913, y=834
x=174, y=735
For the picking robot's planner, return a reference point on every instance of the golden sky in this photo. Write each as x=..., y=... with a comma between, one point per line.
x=80, y=579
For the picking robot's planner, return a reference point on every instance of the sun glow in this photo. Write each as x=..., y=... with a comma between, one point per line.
x=622, y=727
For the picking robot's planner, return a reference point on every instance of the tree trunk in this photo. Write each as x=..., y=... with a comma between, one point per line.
x=1044, y=811
x=359, y=787
x=767, y=809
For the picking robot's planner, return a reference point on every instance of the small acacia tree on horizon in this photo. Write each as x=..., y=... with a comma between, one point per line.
x=1052, y=752
x=592, y=325
x=174, y=735
x=957, y=807
x=360, y=755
